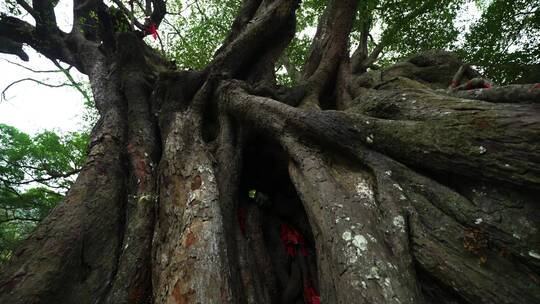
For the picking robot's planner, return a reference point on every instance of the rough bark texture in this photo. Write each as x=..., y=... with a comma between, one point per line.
x=398, y=191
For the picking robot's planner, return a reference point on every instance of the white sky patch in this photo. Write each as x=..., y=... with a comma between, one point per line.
x=31, y=107
x=467, y=16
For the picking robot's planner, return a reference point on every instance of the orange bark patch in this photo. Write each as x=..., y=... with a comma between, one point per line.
x=191, y=239
x=179, y=296
x=196, y=183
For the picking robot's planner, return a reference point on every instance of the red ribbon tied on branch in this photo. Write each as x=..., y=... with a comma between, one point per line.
x=152, y=29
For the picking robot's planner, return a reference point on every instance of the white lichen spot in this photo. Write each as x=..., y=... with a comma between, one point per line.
x=339, y=205
x=355, y=284
x=371, y=238
x=388, y=173
x=347, y=236
x=367, y=122
x=369, y=139
x=402, y=197
x=351, y=254
x=164, y=259
x=482, y=149
x=399, y=222
x=363, y=189
x=387, y=281
x=516, y=236
x=364, y=285
x=194, y=196
x=507, y=165
x=478, y=221
x=397, y=186
x=373, y=273
x=534, y=255
x=360, y=242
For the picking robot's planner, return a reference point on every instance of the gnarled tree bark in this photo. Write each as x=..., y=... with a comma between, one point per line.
x=365, y=187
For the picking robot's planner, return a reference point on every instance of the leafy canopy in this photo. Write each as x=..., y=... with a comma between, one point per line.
x=500, y=37
x=35, y=174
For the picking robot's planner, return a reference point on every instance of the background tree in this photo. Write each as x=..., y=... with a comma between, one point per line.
x=353, y=183
x=35, y=174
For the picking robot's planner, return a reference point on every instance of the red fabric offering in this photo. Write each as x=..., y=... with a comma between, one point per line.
x=291, y=237
x=152, y=29
x=310, y=295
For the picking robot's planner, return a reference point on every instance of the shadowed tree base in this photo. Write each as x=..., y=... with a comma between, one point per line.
x=220, y=186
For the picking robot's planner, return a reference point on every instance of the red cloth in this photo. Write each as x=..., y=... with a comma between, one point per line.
x=241, y=212
x=310, y=295
x=152, y=29
x=291, y=237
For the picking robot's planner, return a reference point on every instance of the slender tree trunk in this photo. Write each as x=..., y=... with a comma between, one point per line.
x=380, y=187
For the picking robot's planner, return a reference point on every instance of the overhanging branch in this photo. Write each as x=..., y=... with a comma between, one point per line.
x=50, y=42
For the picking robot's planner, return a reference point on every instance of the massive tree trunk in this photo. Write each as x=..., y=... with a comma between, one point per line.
x=379, y=187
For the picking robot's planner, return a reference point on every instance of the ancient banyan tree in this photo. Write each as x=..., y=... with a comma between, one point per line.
x=414, y=183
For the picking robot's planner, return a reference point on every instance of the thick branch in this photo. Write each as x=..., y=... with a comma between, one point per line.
x=52, y=44
x=525, y=93
x=27, y=7
x=246, y=13
x=330, y=44
x=44, y=15
x=9, y=46
x=444, y=134
x=258, y=36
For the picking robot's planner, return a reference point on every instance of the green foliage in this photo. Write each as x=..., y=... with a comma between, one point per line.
x=11, y=7
x=433, y=27
x=198, y=28
x=35, y=174
x=505, y=42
